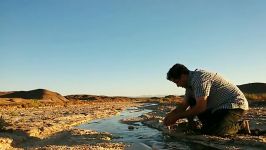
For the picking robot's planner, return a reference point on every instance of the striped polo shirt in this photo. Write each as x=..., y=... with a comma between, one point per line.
x=221, y=94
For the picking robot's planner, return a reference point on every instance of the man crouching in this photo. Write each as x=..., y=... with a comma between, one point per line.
x=218, y=103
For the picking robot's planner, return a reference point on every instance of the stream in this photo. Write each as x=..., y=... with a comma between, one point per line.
x=140, y=133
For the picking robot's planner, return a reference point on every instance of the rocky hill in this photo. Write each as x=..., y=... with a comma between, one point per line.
x=38, y=94
x=254, y=91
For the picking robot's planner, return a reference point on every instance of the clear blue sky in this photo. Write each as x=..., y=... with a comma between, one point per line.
x=126, y=47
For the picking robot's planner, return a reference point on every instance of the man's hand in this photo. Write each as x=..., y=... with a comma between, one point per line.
x=170, y=118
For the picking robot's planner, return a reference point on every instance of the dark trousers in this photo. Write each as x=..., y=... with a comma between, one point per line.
x=222, y=122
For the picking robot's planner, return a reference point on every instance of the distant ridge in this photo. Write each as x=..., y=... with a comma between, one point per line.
x=254, y=91
x=253, y=88
x=39, y=94
x=85, y=97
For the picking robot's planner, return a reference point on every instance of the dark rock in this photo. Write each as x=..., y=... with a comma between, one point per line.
x=130, y=127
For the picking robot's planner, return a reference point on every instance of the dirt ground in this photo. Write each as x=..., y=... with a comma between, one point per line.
x=51, y=127
x=181, y=132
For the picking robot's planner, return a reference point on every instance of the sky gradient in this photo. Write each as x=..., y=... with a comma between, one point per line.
x=126, y=47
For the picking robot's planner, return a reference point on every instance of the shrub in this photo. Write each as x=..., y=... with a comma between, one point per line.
x=170, y=96
x=34, y=103
x=255, y=96
x=3, y=124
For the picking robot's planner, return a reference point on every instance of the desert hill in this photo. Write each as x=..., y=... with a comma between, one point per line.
x=4, y=93
x=38, y=94
x=254, y=91
x=253, y=88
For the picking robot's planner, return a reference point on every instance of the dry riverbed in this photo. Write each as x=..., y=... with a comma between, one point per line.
x=180, y=131
x=52, y=127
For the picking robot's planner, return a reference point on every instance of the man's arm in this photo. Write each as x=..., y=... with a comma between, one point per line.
x=181, y=107
x=201, y=105
x=171, y=117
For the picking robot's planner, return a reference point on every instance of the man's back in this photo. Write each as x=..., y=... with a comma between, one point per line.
x=221, y=93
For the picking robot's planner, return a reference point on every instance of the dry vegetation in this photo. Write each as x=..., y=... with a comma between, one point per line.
x=255, y=96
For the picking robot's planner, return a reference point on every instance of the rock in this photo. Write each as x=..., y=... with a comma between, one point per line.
x=5, y=143
x=130, y=127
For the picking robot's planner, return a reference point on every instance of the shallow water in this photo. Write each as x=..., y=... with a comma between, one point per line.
x=140, y=133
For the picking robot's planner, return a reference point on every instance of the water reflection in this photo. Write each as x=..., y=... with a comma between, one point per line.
x=140, y=133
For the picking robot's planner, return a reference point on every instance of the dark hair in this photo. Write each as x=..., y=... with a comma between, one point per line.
x=176, y=71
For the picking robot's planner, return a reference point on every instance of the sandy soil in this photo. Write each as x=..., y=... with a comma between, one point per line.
x=51, y=127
